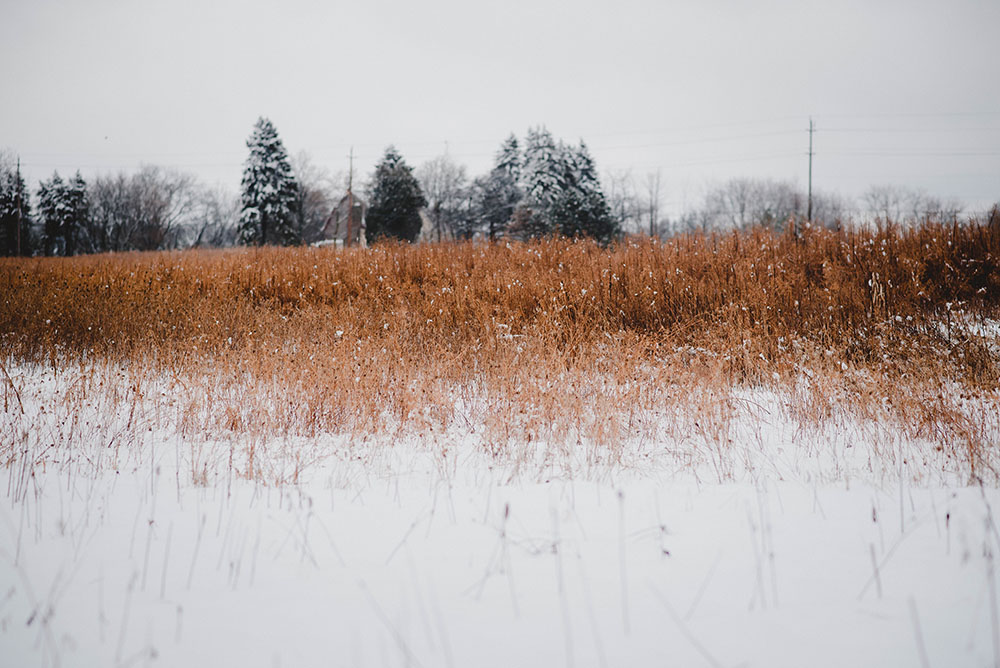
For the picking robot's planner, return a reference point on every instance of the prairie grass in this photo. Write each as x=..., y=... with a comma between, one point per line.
x=557, y=342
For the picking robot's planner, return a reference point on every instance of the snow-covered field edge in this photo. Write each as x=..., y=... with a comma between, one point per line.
x=126, y=538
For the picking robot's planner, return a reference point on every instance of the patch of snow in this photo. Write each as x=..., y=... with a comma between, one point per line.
x=138, y=543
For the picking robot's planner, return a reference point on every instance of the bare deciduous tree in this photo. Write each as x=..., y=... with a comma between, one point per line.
x=741, y=203
x=318, y=193
x=216, y=223
x=627, y=208
x=152, y=209
x=890, y=203
x=652, y=203
x=886, y=203
x=831, y=210
x=444, y=184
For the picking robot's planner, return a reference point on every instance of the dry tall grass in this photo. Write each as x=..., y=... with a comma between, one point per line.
x=559, y=341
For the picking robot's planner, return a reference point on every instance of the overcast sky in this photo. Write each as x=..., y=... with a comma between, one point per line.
x=901, y=92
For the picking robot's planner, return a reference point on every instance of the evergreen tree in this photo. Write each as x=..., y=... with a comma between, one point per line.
x=551, y=189
x=76, y=223
x=540, y=181
x=495, y=197
x=48, y=220
x=395, y=201
x=509, y=159
x=544, y=169
x=55, y=213
x=15, y=214
x=466, y=220
x=580, y=208
x=497, y=194
x=64, y=213
x=269, y=191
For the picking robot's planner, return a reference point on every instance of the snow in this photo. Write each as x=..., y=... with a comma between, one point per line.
x=136, y=544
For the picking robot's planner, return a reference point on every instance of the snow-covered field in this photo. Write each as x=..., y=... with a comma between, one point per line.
x=125, y=540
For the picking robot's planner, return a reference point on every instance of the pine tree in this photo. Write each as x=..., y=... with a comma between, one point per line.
x=580, y=208
x=552, y=189
x=73, y=207
x=78, y=204
x=509, y=159
x=497, y=194
x=543, y=182
x=56, y=217
x=544, y=172
x=15, y=213
x=396, y=200
x=269, y=191
x=64, y=215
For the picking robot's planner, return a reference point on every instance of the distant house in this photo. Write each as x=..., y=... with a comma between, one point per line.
x=346, y=224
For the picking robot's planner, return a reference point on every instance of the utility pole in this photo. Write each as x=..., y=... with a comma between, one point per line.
x=350, y=197
x=809, y=210
x=350, y=170
x=17, y=178
x=653, y=190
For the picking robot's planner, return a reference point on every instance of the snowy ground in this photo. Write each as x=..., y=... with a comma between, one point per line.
x=134, y=544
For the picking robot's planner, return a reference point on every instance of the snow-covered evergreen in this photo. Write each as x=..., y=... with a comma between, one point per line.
x=395, y=201
x=78, y=214
x=497, y=194
x=544, y=170
x=15, y=210
x=509, y=159
x=269, y=191
x=557, y=187
x=63, y=211
x=581, y=209
x=50, y=214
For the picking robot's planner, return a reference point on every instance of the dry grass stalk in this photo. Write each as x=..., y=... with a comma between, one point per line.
x=556, y=342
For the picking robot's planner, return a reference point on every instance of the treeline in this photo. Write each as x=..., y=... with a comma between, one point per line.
x=152, y=209
x=743, y=203
x=538, y=186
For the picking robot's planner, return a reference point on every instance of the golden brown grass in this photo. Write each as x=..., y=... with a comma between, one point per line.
x=560, y=342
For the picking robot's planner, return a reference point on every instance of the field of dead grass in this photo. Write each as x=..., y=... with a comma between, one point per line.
x=561, y=343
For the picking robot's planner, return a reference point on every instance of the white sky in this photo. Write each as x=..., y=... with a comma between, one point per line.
x=902, y=92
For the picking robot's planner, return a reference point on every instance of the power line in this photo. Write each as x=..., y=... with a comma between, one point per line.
x=905, y=153
x=907, y=131
x=688, y=128
x=326, y=148
x=916, y=114
x=698, y=163
x=338, y=147
x=709, y=140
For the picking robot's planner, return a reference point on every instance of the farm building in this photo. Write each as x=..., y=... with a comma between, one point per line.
x=346, y=224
